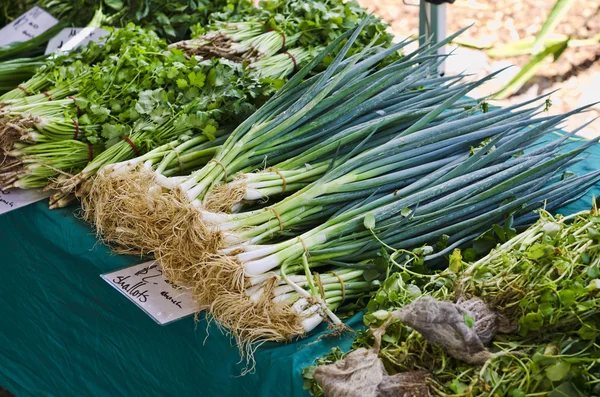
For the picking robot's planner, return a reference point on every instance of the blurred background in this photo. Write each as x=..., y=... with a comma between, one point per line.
x=549, y=44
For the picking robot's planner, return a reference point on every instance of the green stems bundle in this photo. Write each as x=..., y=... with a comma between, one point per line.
x=31, y=166
x=276, y=26
x=13, y=72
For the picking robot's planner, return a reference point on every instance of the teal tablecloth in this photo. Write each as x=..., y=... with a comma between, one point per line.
x=66, y=332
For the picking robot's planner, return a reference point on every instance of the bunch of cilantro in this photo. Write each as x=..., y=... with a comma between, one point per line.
x=151, y=95
x=545, y=281
x=148, y=83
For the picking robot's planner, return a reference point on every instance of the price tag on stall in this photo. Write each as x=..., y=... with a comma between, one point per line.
x=29, y=25
x=71, y=38
x=145, y=286
x=17, y=198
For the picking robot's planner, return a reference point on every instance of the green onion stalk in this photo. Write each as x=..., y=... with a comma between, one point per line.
x=280, y=66
x=31, y=166
x=422, y=152
x=476, y=171
x=542, y=282
x=477, y=187
x=298, y=289
x=272, y=128
x=488, y=175
x=13, y=72
x=468, y=220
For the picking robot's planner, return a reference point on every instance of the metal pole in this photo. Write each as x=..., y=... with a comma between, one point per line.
x=432, y=23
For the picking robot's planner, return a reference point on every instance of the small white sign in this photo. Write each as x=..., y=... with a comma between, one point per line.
x=29, y=25
x=70, y=38
x=145, y=286
x=17, y=198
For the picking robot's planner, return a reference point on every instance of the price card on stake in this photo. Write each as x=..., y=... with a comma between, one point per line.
x=29, y=25
x=70, y=38
x=17, y=198
x=145, y=286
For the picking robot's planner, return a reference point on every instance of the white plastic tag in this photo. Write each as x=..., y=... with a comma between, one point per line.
x=145, y=286
x=29, y=25
x=17, y=198
x=70, y=38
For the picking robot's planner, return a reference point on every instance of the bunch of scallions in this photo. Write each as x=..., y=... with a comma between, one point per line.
x=362, y=157
x=544, y=285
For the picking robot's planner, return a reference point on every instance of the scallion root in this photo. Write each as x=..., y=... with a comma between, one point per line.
x=224, y=197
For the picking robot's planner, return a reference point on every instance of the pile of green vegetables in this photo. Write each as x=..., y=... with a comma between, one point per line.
x=135, y=94
x=171, y=20
x=542, y=285
x=291, y=31
x=108, y=104
x=283, y=226
x=274, y=164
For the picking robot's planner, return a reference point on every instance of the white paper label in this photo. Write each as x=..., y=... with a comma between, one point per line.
x=70, y=38
x=145, y=286
x=29, y=25
x=17, y=198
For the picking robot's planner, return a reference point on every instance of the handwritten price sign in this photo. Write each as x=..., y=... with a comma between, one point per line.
x=70, y=38
x=145, y=286
x=29, y=25
x=16, y=198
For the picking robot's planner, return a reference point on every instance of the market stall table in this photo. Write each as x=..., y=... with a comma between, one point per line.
x=65, y=331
